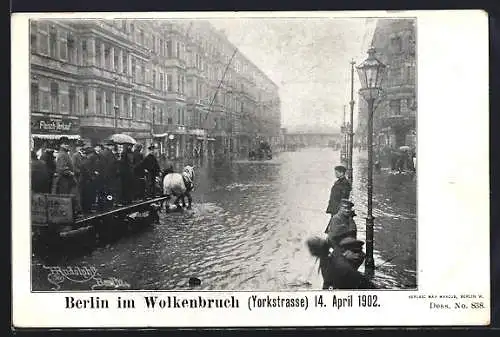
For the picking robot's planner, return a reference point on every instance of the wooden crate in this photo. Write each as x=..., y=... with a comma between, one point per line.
x=39, y=208
x=60, y=208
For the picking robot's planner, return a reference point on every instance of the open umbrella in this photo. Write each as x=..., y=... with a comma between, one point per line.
x=121, y=138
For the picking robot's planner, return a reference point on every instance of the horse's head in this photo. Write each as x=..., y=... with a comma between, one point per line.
x=189, y=171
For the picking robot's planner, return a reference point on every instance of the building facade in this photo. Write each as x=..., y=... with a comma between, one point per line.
x=395, y=113
x=156, y=80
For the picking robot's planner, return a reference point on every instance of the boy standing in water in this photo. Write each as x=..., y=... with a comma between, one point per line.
x=341, y=189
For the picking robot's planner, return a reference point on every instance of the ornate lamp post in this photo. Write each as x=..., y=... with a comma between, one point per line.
x=350, y=130
x=371, y=72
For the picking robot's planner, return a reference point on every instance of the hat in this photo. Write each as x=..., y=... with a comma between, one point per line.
x=65, y=147
x=340, y=168
x=346, y=203
x=109, y=142
x=88, y=150
x=351, y=242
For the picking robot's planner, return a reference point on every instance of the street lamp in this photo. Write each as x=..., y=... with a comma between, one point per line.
x=371, y=72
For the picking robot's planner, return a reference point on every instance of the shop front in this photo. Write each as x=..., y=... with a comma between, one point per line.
x=49, y=130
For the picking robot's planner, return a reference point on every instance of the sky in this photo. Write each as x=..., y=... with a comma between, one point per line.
x=309, y=60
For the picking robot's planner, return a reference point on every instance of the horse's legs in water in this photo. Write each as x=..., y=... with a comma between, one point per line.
x=183, y=201
x=190, y=199
x=167, y=204
x=178, y=201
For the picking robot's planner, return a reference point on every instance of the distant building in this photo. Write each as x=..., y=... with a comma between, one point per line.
x=154, y=80
x=395, y=114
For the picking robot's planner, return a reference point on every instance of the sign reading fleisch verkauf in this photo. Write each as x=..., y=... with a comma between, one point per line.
x=55, y=125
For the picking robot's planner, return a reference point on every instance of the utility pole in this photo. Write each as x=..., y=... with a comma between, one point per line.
x=350, y=128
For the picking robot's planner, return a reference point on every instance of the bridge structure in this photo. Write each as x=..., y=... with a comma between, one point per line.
x=312, y=139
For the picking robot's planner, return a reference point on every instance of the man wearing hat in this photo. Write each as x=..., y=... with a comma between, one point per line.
x=89, y=174
x=77, y=161
x=342, y=224
x=109, y=173
x=65, y=182
x=341, y=189
x=150, y=166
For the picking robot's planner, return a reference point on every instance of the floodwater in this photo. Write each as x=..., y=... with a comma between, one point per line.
x=248, y=227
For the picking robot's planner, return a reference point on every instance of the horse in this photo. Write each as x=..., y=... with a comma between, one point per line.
x=179, y=185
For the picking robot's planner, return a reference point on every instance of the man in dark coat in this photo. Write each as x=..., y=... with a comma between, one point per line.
x=40, y=180
x=342, y=223
x=138, y=157
x=50, y=163
x=108, y=178
x=88, y=178
x=152, y=168
x=341, y=189
x=77, y=161
x=125, y=167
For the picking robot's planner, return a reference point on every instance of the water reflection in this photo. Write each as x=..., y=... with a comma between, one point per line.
x=248, y=227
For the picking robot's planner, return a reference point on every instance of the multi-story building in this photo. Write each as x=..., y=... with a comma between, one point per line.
x=180, y=84
x=395, y=113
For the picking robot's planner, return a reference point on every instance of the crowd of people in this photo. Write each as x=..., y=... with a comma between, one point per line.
x=99, y=176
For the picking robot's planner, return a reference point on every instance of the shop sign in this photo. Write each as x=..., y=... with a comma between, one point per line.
x=54, y=125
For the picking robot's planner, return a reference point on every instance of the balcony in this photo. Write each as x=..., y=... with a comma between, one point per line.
x=109, y=122
x=95, y=72
x=42, y=61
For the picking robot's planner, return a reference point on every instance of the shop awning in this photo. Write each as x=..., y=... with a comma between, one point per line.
x=42, y=136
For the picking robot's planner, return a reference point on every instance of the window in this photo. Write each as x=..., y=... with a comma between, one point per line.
x=35, y=97
x=169, y=120
x=178, y=116
x=178, y=50
x=183, y=112
x=124, y=63
x=143, y=111
x=53, y=42
x=85, y=99
x=85, y=53
x=132, y=28
x=71, y=48
x=124, y=25
x=395, y=107
x=33, y=36
x=54, y=97
x=134, y=75
x=98, y=102
x=160, y=114
x=143, y=73
x=162, y=48
x=169, y=82
x=154, y=79
x=178, y=83
x=63, y=49
x=125, y=106
x=44, y=39
x=98, y=52
x=116, y=60
x=169, y=49
x=396, y=44
x=109, y=105
x=162, y=82
x=72, y=100
x=134, y=108
x=107, y=57
x=141, y=37
x=154, y=43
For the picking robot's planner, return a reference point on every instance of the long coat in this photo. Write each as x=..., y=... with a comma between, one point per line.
x=341, y=189
x=65, y=181
x=340, y=226
x=40, y=179
x=77, y=160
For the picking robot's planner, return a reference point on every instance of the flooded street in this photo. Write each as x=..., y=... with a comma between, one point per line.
x=248, y=227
